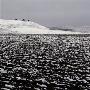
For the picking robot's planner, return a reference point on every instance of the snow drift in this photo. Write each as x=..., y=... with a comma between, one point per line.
x=27, y=27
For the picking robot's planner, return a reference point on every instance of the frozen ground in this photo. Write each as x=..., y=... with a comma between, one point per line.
x=30, y=60
x=45, y=62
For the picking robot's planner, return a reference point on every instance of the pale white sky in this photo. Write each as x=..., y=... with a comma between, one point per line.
x=48, y=12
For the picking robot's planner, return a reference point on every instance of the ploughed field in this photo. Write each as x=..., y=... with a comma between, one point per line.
x=44, y=62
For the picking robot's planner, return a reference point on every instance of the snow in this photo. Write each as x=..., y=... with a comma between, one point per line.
x=7, y=24
x=27, y=27
x=2, y=70
x=9, y=86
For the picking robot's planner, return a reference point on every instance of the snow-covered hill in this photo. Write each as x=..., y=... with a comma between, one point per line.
x=27, y=27
x=7, y=24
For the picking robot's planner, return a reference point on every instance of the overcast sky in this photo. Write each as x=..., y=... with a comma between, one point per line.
x=48, y=12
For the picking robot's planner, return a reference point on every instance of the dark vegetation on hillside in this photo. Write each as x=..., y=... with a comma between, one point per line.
x=57, y=28
x=44, y=62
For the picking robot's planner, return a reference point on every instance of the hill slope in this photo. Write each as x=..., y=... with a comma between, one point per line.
x=27, y=27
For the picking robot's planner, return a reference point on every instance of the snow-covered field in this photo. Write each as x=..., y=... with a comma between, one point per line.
x=27, y=27
x=44, y=62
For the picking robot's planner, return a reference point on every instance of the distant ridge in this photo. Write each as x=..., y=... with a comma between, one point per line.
x=27, y=27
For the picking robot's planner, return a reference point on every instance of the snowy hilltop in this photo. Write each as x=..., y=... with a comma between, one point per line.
x=27, y=27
